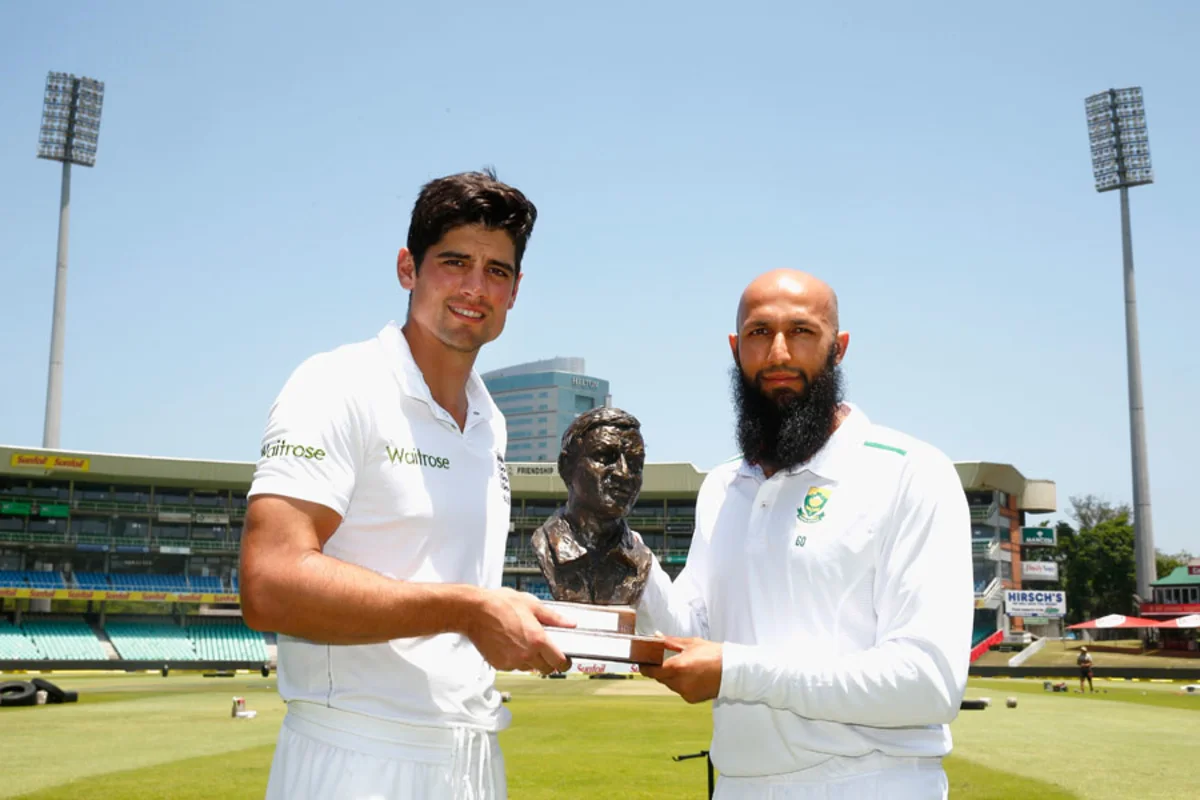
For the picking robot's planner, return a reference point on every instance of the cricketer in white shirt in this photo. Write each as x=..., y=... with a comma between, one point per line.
x=375, y=534
x=356, y=429
x=842, y=592
x=827, y=602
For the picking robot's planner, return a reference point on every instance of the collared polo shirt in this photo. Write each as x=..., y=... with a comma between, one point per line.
x=842, y=591
x=356, y=429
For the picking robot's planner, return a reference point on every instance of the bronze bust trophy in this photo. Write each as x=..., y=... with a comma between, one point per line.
x=587, y=551
x=596, y=565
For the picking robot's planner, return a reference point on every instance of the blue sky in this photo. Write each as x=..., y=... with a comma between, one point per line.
x=257, y=164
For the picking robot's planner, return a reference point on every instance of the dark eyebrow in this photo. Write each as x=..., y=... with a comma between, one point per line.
x=807, y=322
x=495, y=262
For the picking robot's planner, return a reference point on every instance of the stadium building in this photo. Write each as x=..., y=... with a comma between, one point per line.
x=1175, y=603
x=539, y=400
x=135, y=558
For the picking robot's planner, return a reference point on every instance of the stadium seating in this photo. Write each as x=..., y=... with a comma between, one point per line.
x=150, y=641
x=65, y=639
x=92, y=581
x=538, y=588
x=9, y=577
x=210, y=583
x=141, y=582
x=44, y=580
x=14, y=644
x=225, y=639
x=980, y=634
x=32, y=579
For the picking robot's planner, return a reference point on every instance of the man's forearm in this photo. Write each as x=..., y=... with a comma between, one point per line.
x=898, y=684
x=669, y=608
x=320, y=598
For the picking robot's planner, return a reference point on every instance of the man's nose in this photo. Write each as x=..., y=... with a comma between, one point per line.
x=621, y=467
x=779, y=353
x=472, y=283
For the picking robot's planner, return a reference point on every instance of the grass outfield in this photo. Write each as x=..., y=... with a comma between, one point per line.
x=1056, y=654
x=136, y=737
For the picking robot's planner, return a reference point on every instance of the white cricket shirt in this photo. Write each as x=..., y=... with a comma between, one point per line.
x=842, y=591
x=356, y=429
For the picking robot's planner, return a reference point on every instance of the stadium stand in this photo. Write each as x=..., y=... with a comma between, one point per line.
x=141, y=640
x=30, y=579
x=45, y=580
x=64, y=639
x=225, y=639
x=14, y=644
x=145, y=582
x=92, y=581
x=210, y=583
x=980, y=634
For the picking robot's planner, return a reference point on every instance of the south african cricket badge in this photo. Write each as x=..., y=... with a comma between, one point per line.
x=813, y=509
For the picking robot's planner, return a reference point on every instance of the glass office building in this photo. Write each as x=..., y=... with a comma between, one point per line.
x=539, y=400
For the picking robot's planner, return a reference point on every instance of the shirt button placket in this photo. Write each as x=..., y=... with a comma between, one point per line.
x=760, y=516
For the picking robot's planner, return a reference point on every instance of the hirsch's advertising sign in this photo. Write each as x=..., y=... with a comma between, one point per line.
x=1026, y=603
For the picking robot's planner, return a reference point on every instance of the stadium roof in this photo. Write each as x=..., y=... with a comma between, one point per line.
x=661, y=479
x=1179, y=577
x=1034, y=495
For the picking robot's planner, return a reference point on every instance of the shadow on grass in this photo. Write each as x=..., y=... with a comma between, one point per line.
x=238, y=774
x=970, y=781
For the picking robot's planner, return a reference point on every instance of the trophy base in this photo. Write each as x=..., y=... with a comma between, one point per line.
x=605, y=633
x=605, y=646
x=606, y=619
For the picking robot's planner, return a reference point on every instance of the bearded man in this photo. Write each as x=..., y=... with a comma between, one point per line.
x=826, y=604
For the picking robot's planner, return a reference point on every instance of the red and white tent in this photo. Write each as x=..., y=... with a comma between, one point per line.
x=1191, y=621
x=1116, y=621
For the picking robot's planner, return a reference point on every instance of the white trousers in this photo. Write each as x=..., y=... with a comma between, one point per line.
x=873, y=777
x=327, y=754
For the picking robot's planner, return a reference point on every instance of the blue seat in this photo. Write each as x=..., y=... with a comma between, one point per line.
x=92, y=581
x=11, y=577
x=45, y=580
x=209, y=583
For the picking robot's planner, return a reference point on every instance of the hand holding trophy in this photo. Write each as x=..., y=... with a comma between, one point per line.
x=596, y=566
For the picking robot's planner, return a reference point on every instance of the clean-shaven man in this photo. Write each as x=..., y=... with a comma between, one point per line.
x=376, y=529
x=826, y=604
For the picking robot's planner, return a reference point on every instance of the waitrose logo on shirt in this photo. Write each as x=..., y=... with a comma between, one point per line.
x=413, y=456
x=282, y=447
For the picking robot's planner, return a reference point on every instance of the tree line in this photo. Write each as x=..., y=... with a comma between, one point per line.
x=1095, y=556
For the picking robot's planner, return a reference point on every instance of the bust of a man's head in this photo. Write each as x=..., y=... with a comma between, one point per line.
x=601, y=462
x=587, y=551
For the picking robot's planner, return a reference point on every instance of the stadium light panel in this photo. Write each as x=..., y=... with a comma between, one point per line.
x=1120, y=143
x=71, y=119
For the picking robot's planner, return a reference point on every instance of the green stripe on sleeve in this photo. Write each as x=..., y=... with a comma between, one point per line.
x=880, y=446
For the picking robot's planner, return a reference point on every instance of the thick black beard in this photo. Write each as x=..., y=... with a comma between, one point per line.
x=782, y=434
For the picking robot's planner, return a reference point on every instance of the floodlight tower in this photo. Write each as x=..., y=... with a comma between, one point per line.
x=70, y=133
x=1121, y=159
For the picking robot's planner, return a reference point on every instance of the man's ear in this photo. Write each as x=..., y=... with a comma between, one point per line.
x=406, y=269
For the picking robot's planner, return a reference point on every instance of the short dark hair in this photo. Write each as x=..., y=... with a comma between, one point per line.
x=469, y=198
x=572, y=440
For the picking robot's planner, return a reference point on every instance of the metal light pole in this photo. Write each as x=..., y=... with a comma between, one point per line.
x=1121, y=159
x=70, y=133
